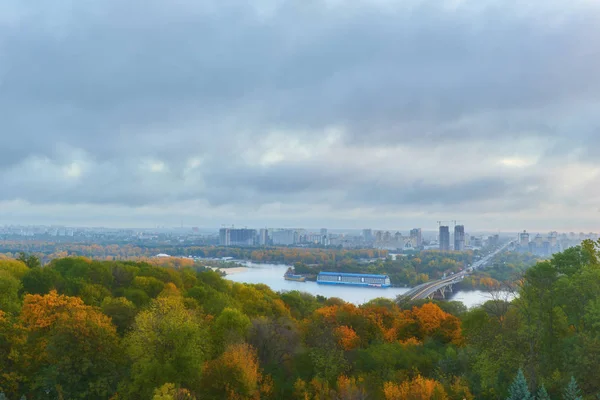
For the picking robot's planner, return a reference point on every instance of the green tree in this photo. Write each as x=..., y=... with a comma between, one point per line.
x=16, y=268
x=518, y=389
x=41, y=280
x=121, y=310
x=231, y=327
x=30, y=260
x=542, y=394
x=168, y=344
x=9, y=293
x=572, y=391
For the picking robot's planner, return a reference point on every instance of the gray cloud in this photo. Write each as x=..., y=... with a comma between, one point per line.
x=150, y=104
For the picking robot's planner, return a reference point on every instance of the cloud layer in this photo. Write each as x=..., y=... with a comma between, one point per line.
x=329, y=112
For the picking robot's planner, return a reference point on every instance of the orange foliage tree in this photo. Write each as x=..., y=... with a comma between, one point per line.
x=72, y=349
x=347, y=338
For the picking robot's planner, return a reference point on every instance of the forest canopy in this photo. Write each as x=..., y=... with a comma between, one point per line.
x=78, y=328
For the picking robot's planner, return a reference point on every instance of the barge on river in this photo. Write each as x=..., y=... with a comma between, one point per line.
x=291, y=276
x=341, y=278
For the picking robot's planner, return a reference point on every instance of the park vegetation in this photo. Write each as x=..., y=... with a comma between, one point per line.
x=78, y=328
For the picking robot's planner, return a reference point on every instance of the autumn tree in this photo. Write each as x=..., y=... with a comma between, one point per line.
x=70, y=349
x=234, y=375
x=349, y=388
x=419, y=388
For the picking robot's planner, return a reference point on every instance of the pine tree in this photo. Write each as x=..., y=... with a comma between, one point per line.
x=542, y=394
x=572, y=391
x=518, y=389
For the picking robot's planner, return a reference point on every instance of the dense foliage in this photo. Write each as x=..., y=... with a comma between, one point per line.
x=504, y=269
x=78, y=328
x=51, y=250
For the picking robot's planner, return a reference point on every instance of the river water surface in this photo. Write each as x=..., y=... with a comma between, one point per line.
x=272, y=276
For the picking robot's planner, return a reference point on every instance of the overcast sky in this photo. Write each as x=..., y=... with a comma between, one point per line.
x=349, y=114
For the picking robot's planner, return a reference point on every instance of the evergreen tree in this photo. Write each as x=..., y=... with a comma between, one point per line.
x=518, y=389
x=542, y=394
x=572, y=391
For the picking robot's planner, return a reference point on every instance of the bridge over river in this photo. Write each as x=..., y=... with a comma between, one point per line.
x=440, y=287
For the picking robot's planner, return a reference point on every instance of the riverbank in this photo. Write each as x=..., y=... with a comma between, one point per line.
x=231, y=271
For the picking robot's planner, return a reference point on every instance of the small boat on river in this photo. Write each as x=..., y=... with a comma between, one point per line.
x=291, y=276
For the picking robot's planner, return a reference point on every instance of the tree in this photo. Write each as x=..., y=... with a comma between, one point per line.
x=30, y=260
x=41, y=280
x=350, y=389
x=234, y=375
x=542, y=394
x=168, y=344
x=169, y=391
x=9, y=293
x=70, y=350
x=231, y=327
x=121, y=310
x=276, y=342
x=419, y=388
x=16, y=268
x=572, y=391
x=518, y=389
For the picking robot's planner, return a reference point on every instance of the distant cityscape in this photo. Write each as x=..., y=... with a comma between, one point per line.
x=369, y=238
x=445, y=239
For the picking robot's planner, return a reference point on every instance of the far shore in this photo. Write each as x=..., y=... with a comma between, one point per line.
x=231, y=271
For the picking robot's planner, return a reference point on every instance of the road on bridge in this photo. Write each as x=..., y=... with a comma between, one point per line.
x=426, y=290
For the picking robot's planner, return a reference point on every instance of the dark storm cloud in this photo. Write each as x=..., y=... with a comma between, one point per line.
x=116, y=97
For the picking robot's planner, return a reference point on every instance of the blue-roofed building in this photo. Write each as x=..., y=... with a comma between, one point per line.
x=341, y=278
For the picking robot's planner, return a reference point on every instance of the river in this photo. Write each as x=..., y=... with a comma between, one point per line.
x=272, y=276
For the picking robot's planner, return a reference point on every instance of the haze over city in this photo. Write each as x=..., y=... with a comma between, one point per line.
x=390, y=114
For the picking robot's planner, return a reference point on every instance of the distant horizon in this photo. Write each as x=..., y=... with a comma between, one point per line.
x=310, y=229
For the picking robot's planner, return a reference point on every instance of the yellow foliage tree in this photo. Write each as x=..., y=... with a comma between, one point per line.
x=418, y=388
x=235, y=375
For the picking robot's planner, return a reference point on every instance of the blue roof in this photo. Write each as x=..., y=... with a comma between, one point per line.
x=356, y=275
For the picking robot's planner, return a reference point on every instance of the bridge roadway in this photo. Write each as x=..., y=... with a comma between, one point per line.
x=428, y=289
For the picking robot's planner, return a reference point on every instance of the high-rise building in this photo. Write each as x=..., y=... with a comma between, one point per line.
x=237, y=237
x=459, y=238
x=323, y=231
x=224, y=237
x=285, y=237
x=417, y=236
x=387, y=236
x=444, y=238
x=524, y=240
x=263, y=237
x=367, y=235
x=398, y=237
